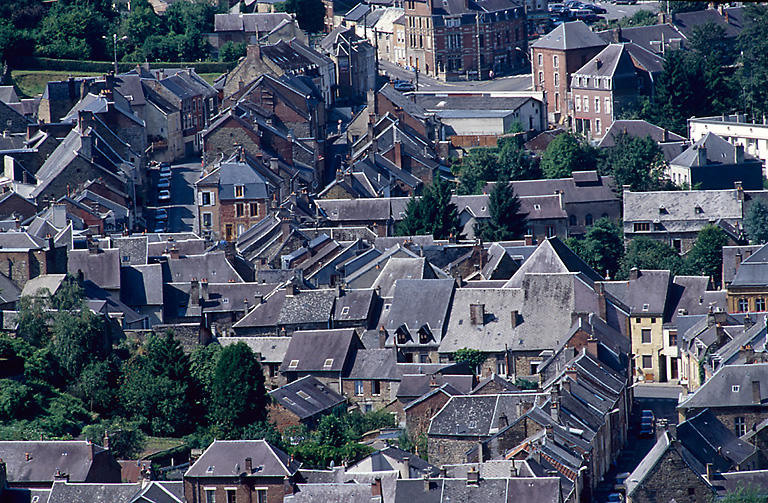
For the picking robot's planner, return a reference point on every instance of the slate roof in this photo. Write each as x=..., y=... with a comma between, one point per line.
x=284, y=308
x=342, y=492
x=313, y=348
x=261, y=22
x=66, y=492
x=507, y=490
x=680, y=213
x=73, y=457
x=50, y=282
x=647, y=37
x=553, y=256
x=103, y=267
x=646, y=295
x=306, y=397
x=730, y=386
x=354, y=305
x=718, y=150
x=733, y=256
x=568, y=36
x=213, y=266
x=415, y=386
x=228, y=175
x=710, y=441
x=380, y=364
x=402, y=268
x=226, y=458
x=430, y=311
x=193, y=246
x=575, y=189
x=142, y=285
x=639, y=129
x=271, y=349
x=133, y=247
x=477, y=415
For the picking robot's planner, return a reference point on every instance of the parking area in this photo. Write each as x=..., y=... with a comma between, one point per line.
x=172, y=197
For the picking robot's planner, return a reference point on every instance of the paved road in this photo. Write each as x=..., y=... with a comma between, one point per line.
x=509, y=83
x=620, y=11
x=182, y=210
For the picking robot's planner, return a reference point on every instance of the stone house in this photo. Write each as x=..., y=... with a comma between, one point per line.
x=419, y=412
x=24, y=257
x=354, y=59
x=669, y=471
x=747, y=290
x=555, y=57
x=303, y=401
x=373, y=380
x=241, y=470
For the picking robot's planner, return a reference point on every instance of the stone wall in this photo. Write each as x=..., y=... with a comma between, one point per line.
x=671, y=479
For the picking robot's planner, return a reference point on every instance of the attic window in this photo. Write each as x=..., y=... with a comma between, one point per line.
x=225, y=300
x=239, y=191
x=662, y=210
x=735, y=388
x=293, y=364
x=646, y=307
x=328, y=363
x=387, y=306
x=537, y=207
x=289, y=401
x=699, y=209
x=345, y=310
x=210, y=469
x=302, y=395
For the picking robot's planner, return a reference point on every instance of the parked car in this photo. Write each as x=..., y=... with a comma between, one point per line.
x=161, y=214
x=404, y=86
x=165, y=170
x=159, y=227
x=597, y=9
x=647, y=416
x=615, y=498
x=164, y=195
x=164, y=183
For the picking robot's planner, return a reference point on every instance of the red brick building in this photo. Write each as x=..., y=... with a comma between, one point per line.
x=613, y=79
x=460, y=38
x=557, y=55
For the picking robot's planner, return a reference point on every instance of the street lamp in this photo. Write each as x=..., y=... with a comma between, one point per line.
x=114, y=46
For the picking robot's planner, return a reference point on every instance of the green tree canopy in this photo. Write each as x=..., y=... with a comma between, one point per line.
x=637, y=162
x=566, y=154
x=472, y=357
x=507, y=220
x=753, y=43
x=706, y=256
x=433, y=213
x=756, y=223
x=238, y=396
x=646, y=253
x=73, y=30
x=602, y=247
x=310, y=14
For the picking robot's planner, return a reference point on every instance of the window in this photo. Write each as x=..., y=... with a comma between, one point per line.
x=501, y=368
x=739, y=426
x=557, y=101
x=586, y=104
x=541, y=78
x=210, y=495
x=647, y=362
x=743, y=305
x=254, y=207
x=557, y=79
x=673, y=338
x=240, y=229
x=608, y=105
x=645, y=335
x=760, y=304
x=541, y=59
x=597, y=106
x=359, y=388
x=376, y=386
x=578, y=103
x=735, y=388
x=328, y=363
x=550, y=230
x=588, y=219
x=293, y=364
x=556, y=61
x=239, y=210
x=207, y=199
x=572, y=220
x=642, y=226
x=261, y=495
x=239, y=191
x=423, y=358
x=231, y=495
x=598, y=129
x=691, y=491
x=345, y=311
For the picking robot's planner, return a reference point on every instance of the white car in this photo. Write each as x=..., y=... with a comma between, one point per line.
x=165, y=171
x=164, y=183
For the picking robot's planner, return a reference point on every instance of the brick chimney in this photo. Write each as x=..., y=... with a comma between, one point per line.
x=701, y=156
x=253, y=52
x=174, y=252
x=398, y=149
x=194, y=292
x=204, y=288
x=376, y=487
x=602, y=303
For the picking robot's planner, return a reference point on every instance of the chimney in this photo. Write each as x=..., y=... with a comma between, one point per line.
x=550, y=433
x=756, y=397
x=426, y=483
x=701, y=158
x=665, y=136
x=560, y=199
x=480, y=453
x=175, y=253
x=528, y=239
x=399, y=154
x=634, y=273
x=477, y=314
x=382, y=337
x=602, y=304
x=258, y=299
x=747, y=353
x=616, y=35
x=598, y=63
x=571, y=374
x=194, y=292
x=443, y=472
x=737, y=184
x=27, y=456
x=273, y=165
x=204, y=286
x=592, y=346
x=406, y=470
x=285, y=227
x=248, y=465
x=473, y=476
x=554, y=405
x=376, y=487
x=748, y=322
x=514, y=318
x=105, y=440
x=253, y=52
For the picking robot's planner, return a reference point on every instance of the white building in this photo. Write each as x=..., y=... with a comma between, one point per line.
x=753, y=136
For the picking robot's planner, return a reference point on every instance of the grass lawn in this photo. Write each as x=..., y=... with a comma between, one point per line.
x=157, y=444
x=210, y=77
x=31, y=83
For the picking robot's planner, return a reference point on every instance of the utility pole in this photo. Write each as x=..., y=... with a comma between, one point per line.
x=114, y=49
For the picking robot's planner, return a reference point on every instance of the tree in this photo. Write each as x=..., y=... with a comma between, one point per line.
x=139, y=23
x=507, y=221
x=78, y=338
x=231, y=51
x=126, y=440
x=238, y=396
x=433, y=213
x=753, y=43
x=706, y=256
x=95, y=385
x=33, y=319
x=602, y=247
x=646, y=253
x=566, y=154
x=742, y=495
x=515, y=163
x=479, y=166
x=472, y=357
x=756, y=223
x=72, y=30
x=16, y=399
x=637, y=162
x=309, y=13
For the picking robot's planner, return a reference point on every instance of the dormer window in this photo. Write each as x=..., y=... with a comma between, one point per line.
x=735, y=388
x=239, y=191
x=699, y=209
x=401, y=338
x=293, y=364
x=328, y=363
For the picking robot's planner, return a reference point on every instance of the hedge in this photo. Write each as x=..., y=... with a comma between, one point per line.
x=75, y=65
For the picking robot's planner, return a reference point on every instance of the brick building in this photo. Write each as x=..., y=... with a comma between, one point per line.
x=464, y=38
x=303, y=401
x=555, y=57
